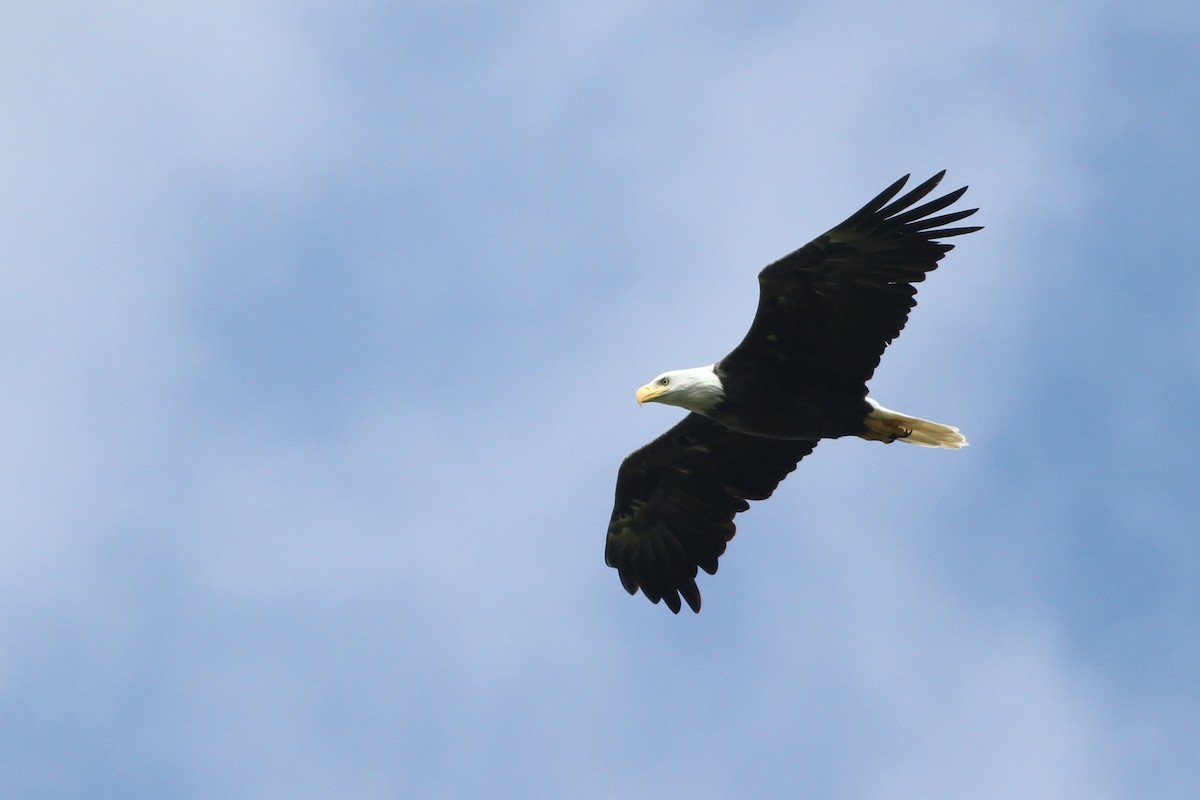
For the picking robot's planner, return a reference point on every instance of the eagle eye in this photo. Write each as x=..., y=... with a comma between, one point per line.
x=664, y=381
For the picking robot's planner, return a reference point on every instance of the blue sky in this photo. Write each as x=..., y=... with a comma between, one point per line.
x=321, y=327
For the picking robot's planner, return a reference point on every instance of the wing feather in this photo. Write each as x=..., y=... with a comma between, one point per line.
x=832, y=307
x=676, y=499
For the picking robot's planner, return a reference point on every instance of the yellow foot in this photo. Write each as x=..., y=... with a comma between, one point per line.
x=884, y=430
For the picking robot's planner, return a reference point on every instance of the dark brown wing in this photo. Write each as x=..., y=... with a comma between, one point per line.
x=828, y=310
x=676, y=500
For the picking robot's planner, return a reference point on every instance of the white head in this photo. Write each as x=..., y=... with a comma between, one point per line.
x=697, y=389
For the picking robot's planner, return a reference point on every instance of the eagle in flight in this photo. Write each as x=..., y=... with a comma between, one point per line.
x=825, y=314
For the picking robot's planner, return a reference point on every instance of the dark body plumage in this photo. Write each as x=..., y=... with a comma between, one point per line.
x=826, y=312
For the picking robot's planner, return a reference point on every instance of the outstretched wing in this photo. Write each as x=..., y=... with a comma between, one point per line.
x=676, y=500
x=827, y=311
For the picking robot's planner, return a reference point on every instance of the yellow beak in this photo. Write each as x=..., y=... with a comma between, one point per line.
x=649, y=392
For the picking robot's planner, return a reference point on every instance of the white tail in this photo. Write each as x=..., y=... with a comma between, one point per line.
x=885, y=425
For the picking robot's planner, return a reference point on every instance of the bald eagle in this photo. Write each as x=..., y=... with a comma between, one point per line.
x=825, y=314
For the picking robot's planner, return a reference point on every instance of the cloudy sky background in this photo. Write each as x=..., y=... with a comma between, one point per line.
x=320, y=326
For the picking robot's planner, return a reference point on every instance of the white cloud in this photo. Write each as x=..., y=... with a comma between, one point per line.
x=305, y=494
